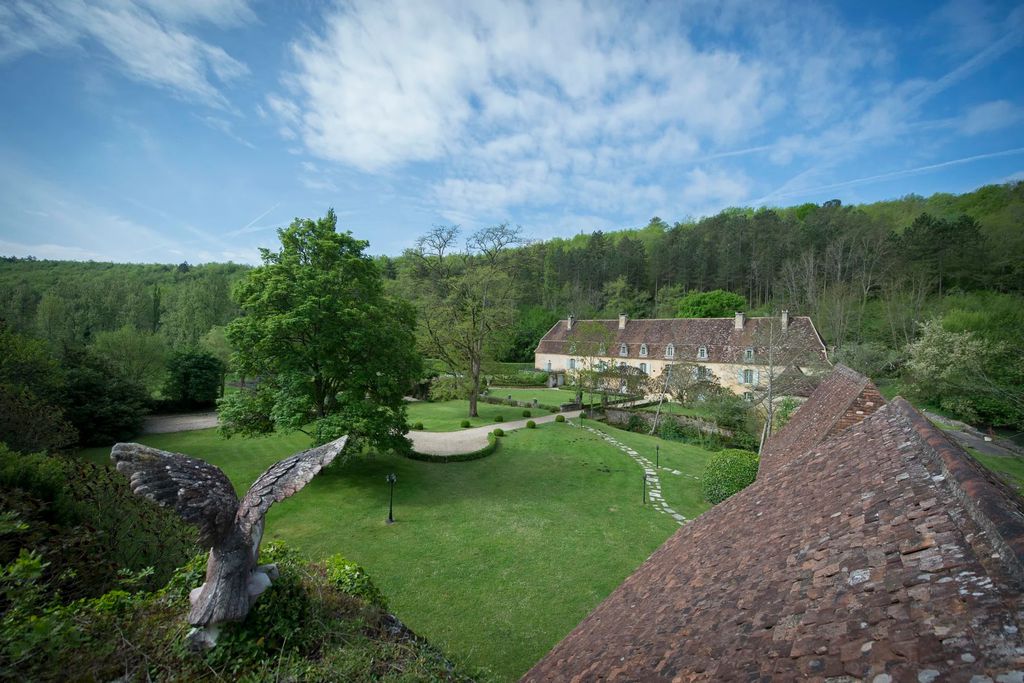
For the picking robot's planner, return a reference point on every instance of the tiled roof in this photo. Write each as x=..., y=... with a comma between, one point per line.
x=882, y=554
x=842, y=399
x=724, y=343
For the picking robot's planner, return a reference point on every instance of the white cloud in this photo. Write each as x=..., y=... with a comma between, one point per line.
x=706, y=191
x=991, y=116
x=147, y=47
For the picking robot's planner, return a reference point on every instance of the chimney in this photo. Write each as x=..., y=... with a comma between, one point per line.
x=570, y=321
x=622, y=321
x=785, y=320
x=739, y=320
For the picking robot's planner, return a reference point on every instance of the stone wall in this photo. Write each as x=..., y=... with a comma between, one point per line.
x=619, y=416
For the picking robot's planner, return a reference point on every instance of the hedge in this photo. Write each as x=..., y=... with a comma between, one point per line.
x=728, y=472
x=492, y=444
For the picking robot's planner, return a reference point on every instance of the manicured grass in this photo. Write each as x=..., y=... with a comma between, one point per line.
x=447, y=416
x=672, y=408
x=552, y=397
x=1010, y=468
x=493, y=560
x=681, y=491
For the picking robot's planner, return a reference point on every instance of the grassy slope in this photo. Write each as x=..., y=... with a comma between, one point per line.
x=1011, y=469
x=493, y=560
x=672, y=408
x=447, y=416
x=547, y=396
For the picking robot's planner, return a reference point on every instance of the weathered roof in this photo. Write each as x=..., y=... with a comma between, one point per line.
x=884, y=553
x=842, y=399
x=724, y=343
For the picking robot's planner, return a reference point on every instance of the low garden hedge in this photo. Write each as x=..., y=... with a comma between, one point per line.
x=728, y=472
x=492, y=444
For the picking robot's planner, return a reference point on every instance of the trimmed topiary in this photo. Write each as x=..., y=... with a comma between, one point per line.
x=499, y=432
x=559, y=418
x=530, y=424
x=527, y=413
x=728, y=472
x=465, y=423
x=499, y=418
x=418, y=426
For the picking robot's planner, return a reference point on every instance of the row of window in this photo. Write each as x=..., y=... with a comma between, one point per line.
x=746, y=376
x=670, y=352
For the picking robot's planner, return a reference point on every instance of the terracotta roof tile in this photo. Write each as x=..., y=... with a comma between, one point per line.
x=842, y=399
x=724, y=343
x=882, y=551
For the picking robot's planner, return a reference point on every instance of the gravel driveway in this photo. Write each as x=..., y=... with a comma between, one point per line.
x=185, y=422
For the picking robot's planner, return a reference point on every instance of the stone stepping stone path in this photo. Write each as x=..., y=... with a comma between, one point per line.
x=653, y=482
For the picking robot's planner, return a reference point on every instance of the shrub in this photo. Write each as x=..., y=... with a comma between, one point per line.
x=447, y=388
x=530, y=424
x=194, y=379
x=726, y=473
x=353, y=579
x=465, y=423
x=499, y=418
x=418, y=426
x=527, y=413
x=499, y=432
x=559, y=418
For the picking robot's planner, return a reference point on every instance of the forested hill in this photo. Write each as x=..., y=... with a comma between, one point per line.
x=70, y=302
x=869, y=275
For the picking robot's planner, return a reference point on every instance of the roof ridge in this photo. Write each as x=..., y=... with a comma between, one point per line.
x=988, y=500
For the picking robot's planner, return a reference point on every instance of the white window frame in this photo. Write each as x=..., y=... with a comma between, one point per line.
x=624, y=350
x=702, y=353
x=572, y=363
x=643, y=368
x=748, y=373
x=748, y=354
x=670, y=351
x=643, y=350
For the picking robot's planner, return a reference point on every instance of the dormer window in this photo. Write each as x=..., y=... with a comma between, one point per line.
x=702, y=353
x=643, y=350
x=670, y=351
x=623, y=350
x=748, y=355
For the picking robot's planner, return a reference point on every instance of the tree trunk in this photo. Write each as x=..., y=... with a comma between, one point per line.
x=474, y=390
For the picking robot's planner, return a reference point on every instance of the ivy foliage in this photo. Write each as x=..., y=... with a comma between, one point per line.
x=728, y=472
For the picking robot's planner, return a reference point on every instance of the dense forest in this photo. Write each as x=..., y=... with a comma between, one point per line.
x=872, y=277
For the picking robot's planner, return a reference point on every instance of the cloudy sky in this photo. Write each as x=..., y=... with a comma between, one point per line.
x=172, y=130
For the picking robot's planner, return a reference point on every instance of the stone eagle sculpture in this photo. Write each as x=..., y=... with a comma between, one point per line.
x=203, y=495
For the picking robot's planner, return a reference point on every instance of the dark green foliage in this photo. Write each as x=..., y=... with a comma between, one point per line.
x=84, y=521
x=418, y=426
x=194, y=380
x=527, y=413
x=559, y=418
x=335, y=354
x=499, y=418
x=728, y=472
x=530, y=326
x=30, y=381
x=714, y=304
x=521, y=378
x=498, y=431
x=101, y=404
x=530, y=424
x=465, y=423
x=447, y=388
x=322, y=622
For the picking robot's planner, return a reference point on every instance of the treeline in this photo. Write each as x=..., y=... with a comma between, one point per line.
x=89, y=348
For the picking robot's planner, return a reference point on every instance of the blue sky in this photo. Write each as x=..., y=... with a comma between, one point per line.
x=173, y=130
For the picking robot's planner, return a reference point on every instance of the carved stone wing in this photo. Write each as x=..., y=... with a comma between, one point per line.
x=282, y=480
x=200, y=492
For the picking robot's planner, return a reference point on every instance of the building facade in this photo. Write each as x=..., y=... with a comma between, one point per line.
x=741, y=352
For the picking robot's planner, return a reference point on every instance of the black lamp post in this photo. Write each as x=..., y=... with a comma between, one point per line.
x=645, y=488
x=657, y=456
x=391, y=479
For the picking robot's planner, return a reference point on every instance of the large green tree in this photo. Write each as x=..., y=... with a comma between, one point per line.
x=333, y=353
x=714, y=304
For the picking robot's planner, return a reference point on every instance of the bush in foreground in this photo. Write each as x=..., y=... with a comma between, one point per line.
x=318, y=621
x=559, y=418
x=465, y=423
x=530, y=424
x=727, y=472
x=527, y=413
x=499, y=432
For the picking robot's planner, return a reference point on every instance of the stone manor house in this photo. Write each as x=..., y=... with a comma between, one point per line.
x=736, y=350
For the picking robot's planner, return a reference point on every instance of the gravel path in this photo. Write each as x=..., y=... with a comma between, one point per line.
x=185, y=422
x=968, y=435
x=473, y=439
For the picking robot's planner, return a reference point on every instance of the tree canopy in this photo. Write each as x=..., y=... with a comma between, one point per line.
x=333, y=353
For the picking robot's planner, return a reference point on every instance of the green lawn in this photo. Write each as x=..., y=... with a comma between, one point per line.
x=494, y=560
x=1010, y=468
x=672, y=408
x=447, y=416
x=681, y=491
x=552, y=397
